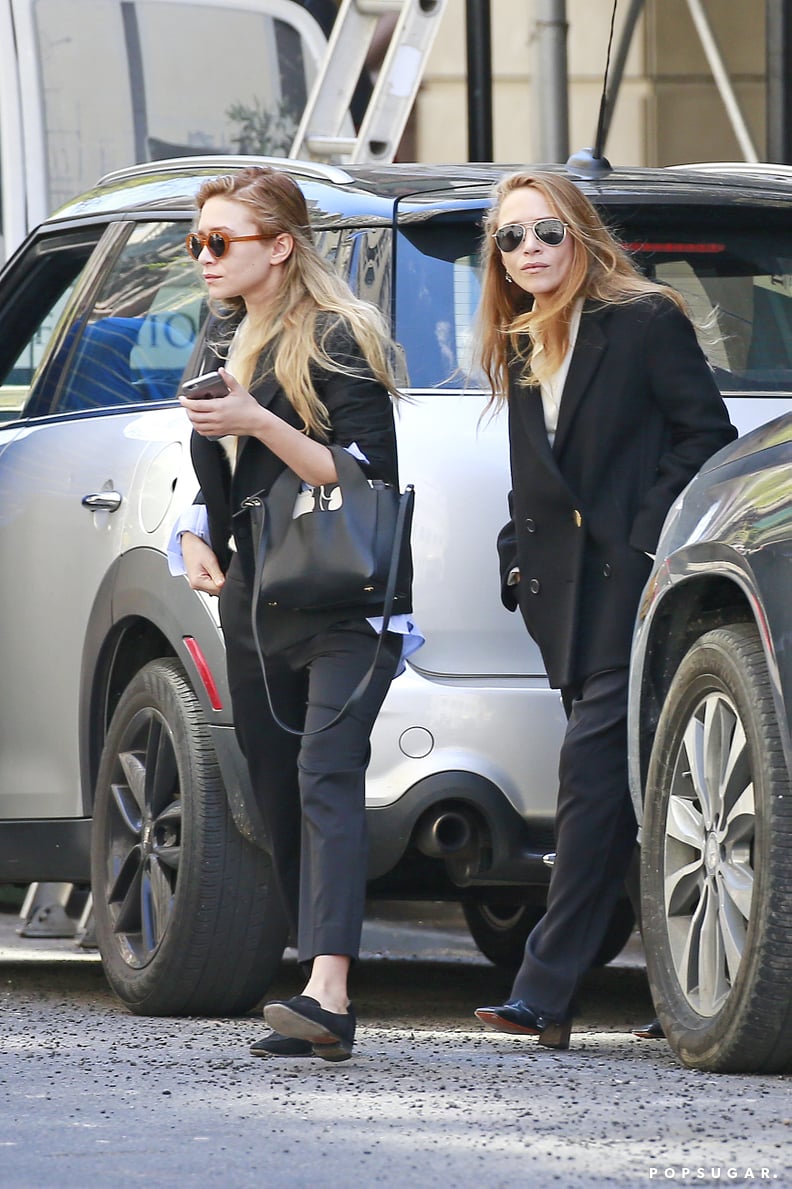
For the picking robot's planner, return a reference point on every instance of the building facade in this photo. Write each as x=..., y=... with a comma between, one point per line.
x=669, y=110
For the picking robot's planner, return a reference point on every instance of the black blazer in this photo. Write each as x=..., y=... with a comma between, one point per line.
x=640, y=413
x=360, y=411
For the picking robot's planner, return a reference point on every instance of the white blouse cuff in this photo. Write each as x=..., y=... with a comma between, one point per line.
x=192, y=520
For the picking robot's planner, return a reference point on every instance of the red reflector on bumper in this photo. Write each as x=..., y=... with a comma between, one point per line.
x=204, y=672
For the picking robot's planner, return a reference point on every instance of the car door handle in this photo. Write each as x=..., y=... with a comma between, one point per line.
x=103, y=501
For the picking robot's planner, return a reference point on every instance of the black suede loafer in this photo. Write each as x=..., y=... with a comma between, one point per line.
x=275, y=1045
x=517, y=1017
x=330, y=1034
x=653, y=1031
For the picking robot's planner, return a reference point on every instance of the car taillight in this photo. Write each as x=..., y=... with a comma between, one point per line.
x=675, y=249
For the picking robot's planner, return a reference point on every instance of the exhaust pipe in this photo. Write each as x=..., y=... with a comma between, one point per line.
x=443, y=833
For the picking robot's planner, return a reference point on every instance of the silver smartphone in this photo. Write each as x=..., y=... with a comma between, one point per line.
x=205, y=387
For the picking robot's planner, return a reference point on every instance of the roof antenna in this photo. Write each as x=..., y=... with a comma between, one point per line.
x=590, y=163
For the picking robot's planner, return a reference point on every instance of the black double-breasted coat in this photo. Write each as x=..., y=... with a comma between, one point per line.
x=640, y=413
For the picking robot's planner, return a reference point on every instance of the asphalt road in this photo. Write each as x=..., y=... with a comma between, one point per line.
x=94, y=1096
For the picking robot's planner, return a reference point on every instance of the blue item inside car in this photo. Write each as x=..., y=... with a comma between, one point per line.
x=123, y=361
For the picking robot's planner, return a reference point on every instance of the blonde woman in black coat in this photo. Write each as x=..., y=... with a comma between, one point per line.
x=612, y=409
x=307, y=366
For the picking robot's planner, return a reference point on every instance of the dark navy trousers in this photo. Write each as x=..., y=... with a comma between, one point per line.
x=595, y=840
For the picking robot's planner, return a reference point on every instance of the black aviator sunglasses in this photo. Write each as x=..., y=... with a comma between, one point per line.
x=217, y=242
x=550, y=232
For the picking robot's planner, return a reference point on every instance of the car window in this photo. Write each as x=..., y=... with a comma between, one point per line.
x=16, y=386
x=734, y=269
x=437, y=294
x=365, y=258
x=328, y=240
x=40, y=286
x=134, y=343
x=745, y=321
x=737, y=281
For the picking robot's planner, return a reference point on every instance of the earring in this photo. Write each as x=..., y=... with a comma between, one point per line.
x=509, y=280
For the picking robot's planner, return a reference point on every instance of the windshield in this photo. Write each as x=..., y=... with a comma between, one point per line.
x=732, y=265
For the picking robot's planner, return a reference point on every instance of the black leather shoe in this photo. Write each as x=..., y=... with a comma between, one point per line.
x=275, y=1045
x=330, y=1034
x=517, y=1017
x=653, y=1031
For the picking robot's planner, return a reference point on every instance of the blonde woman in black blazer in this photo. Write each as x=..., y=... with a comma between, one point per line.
x=307, y=365
x=612, y=409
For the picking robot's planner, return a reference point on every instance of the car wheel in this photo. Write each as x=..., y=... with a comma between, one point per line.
x=716, y=850
x=187, y=919
x=501, y=930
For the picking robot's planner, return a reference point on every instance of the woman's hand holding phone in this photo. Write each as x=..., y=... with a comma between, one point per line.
x=206, y=387
x=240, y=414
x=210, y=386
x=216, y=415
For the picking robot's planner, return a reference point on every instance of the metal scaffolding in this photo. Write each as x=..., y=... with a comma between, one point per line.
x=778, y=17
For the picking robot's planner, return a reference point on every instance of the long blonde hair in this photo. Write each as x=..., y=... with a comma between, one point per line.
x=309, y=304
x=508, y=322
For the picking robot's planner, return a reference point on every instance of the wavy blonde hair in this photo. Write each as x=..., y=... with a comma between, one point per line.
x=508, y=322
x=311, y=303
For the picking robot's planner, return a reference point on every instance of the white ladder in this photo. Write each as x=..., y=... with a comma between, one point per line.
x=320, y=133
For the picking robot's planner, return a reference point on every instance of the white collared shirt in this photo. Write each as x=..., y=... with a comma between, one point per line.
x=552, y=389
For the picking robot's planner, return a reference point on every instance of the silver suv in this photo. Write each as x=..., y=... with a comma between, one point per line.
x=118, y=762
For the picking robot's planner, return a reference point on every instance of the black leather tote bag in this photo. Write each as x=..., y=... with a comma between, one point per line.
x=345, y=544
x=334, y=545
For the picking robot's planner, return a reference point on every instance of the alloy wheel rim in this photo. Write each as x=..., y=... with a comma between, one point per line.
x=708, y=874
x=144, y=831
x=502, y=917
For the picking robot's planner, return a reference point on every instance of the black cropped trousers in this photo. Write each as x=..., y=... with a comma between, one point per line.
x=310, y=789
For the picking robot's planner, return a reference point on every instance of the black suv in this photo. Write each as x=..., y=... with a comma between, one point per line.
x=711, y=710
x=118, y=763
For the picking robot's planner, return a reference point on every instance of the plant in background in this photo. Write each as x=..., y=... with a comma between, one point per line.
x=262, y=130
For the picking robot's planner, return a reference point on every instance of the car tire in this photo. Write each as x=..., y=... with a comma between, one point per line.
x=187, y=918
x=501, y=930
x=716, y=855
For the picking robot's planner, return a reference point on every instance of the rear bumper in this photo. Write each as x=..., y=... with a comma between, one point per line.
x=498, y=847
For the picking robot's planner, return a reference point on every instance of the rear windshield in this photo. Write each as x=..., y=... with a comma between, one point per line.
x=734, y=268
